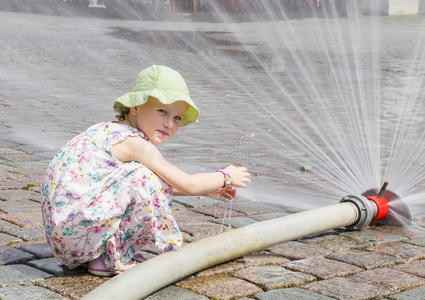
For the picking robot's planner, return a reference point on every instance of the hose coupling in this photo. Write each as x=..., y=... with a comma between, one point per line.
x=367, y=210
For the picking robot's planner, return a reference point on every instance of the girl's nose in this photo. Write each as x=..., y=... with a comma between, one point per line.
x=169, y=123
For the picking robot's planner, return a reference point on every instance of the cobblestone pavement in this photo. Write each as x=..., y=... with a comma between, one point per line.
x=379, y=262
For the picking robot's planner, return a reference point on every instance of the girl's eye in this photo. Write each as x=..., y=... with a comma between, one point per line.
x=178, y=118
x=162, y=111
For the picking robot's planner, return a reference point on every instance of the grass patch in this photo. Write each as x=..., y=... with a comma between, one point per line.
x=15, y=172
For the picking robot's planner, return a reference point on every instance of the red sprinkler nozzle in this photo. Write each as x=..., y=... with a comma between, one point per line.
x=381, y=203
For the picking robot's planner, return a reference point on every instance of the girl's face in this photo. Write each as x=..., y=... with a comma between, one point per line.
x=158, y=121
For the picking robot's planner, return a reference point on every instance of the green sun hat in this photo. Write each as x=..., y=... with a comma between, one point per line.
x=163, y=83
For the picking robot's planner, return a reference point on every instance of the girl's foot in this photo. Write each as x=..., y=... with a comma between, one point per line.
x=97, y=267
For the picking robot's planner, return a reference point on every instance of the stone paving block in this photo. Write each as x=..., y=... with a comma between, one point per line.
x=8, y=239
x=19, y=157
x=178, y=206
x=346, y=289
x=273, y=277
x=408, y=231
x=31, y=168
x=73, y=287
x=246, y=261
x=39, y=250
x=12, y=195
x=16, y=274
x=374, y=237
x=297, y=250
x=30, y=180
x=221, y=269
x=19, y=205
x=269, y=215
x=9, y=255
x=8, y=184
x=53, y=266
x=336, y=243
x=6, y=169
x=217, y=211
x=37, y=167
x=28, y=292
x=416, y=241
x=5, y=224
x=389, y=279
x=290, y=294
x=27, y=234
x=364, y=259
x=24, y=219
x=201, y=230
x=175, y=293
x=322, y=267
x=413, y=267
x=197, y=202
x=236, y=222
x=398, y=249
x=221, y=287
x=260, y=259
x=190, y=217
x=251, y=207
x=414, y=294
x=9, y=151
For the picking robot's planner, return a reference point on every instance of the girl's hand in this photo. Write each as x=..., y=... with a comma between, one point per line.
x=240, y=176
x=227, y=192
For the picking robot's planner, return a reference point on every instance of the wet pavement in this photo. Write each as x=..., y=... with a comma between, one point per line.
x=50, y=91
x=378, y=262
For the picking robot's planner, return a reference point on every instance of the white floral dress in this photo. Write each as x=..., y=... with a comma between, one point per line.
x=93, y=204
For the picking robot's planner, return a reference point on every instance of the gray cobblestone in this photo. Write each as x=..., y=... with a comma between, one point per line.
x=337, y=243
x=235, y=222
x=415, y=294
x=9, y=151
x=273, y=277
x=290, y=294
x=6, y=239
x=197, y=202
x=39, y=250
x=297, y=250
x=346, y=289
x=9, y=255
x=53, y=266
x=5, y=225
x=374, y=237
x=416, y=241
x=27, y=234
x=20, y=273
x=366, y=260
x=19, y=205
x=175, y=293
x=28, y=292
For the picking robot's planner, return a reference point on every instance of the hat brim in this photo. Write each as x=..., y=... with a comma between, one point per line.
x=166, y=97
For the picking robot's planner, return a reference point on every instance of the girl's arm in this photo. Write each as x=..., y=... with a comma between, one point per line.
x=137, y=149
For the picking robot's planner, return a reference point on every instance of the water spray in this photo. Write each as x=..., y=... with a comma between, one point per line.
x=354, y=212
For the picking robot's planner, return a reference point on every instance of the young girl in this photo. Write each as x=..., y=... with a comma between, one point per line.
x=108, y=191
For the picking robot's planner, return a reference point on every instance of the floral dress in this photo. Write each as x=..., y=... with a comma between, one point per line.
x=94, y=204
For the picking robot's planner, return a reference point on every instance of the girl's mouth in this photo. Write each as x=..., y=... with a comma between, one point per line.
x=163, y=132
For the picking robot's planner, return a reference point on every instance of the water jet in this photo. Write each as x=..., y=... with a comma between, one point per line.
x=354, y=212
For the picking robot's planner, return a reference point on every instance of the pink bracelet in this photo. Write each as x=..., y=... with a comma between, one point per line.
x=227, y=178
